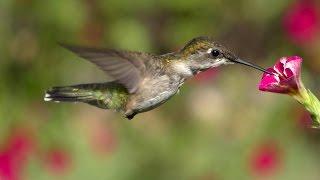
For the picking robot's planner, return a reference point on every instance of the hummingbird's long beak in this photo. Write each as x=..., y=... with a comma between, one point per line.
x=239, y=61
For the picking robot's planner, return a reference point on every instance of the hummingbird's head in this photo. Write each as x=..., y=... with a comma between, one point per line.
x=203, y=53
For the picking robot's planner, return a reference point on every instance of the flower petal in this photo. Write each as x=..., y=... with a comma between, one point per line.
x=268, y=81
x=288, y=72
x=279, y=66
x=294, y=64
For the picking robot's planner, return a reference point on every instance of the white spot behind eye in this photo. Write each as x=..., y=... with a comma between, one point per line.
x=209, y=50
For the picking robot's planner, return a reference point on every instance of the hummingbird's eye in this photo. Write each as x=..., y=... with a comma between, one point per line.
x=215, y=53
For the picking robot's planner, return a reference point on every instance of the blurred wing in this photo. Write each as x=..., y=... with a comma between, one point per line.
x=127, y=68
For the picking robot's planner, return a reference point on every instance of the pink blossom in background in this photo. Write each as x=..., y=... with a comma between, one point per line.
x=9, y=169
x=285, y=78
x=265, y=159
x=57, y=161
x=93, y=32
x=304, y=120
x=21, y=145
x=14, y=155
x=301, y=21
x=103, y=140
x=207, y=75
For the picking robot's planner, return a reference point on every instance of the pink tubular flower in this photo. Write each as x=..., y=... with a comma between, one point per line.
x=285, y=78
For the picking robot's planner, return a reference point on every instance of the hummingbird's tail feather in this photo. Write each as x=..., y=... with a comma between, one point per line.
x=69, y=94
x=103, y=95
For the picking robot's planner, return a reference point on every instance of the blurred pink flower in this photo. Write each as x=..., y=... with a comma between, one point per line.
x=304, y=121
x=286, y=77
x=103, y=140
x=265, y=159
x=93, y=32
x=21, y=145
x=58, y=161
x=301, y=21
x=9, y=169
x=15, y=154
x=207, y=75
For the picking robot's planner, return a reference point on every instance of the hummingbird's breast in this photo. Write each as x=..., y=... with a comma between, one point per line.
x=154, y=91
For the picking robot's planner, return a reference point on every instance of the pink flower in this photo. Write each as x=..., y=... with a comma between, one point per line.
x=103, y=140
x=58, y=161
x=304, y=120
x=265, y=158
x=285, y=78
x=8, y=167
x=15, y=154
x=207, y=75
x=301, y=21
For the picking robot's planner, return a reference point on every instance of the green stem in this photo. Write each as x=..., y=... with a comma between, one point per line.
x=311, y=103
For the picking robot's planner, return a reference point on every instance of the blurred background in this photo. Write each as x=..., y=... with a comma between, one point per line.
x=218, y=127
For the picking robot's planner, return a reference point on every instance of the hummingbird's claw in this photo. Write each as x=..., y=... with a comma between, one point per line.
x=130, y=116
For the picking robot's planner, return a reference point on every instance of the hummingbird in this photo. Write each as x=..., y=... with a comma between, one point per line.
x=143, y=81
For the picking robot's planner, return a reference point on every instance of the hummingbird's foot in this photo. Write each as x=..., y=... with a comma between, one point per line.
x=130, y=115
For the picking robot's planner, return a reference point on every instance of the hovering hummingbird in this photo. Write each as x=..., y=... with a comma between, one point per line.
x=143, y=81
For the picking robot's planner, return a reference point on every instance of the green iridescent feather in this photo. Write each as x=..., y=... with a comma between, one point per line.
x=103, y=95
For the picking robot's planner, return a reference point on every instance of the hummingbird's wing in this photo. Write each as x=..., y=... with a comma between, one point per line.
x=126, y=67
